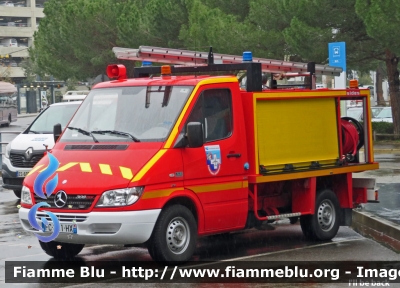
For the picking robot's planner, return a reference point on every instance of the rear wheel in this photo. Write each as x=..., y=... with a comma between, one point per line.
x=175, y=235
x=60, y=250
x=17, y=193
x=324, y=224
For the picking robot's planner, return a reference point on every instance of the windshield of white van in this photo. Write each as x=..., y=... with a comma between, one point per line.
x=139, y=114
x=45, y=122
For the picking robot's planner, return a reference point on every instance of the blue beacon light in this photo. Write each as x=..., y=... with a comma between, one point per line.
x=247, y=56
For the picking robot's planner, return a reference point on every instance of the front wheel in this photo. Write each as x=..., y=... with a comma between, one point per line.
x=175, y=235
x=60, y=250
x=324, y=224
x=17, y=193
x=8, y=121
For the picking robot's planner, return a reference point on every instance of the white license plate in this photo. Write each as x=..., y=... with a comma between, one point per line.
x=64, y=228
x=22, y=173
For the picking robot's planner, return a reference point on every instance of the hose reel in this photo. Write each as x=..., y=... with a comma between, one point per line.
x=352, y=137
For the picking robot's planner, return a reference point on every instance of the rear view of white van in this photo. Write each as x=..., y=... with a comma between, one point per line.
x=9, y=42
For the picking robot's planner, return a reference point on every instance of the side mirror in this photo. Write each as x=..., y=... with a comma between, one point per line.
x=194, y=134
x=57, y=132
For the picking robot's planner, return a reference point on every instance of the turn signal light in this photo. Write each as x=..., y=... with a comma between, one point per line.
x=353, y=83
x=116, y=71
x=165, y=70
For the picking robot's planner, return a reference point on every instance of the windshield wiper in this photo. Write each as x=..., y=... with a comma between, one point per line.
x=84, y=132
x=117, y=133
x=33, y=131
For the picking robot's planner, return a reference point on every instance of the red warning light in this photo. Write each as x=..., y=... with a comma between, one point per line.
x=116, y=71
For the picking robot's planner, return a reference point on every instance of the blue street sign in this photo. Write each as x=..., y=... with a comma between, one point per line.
x=337, y=54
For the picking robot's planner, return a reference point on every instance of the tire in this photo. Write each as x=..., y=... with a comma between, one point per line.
x=66, y=251
x=324, y=224
x=293, y=220
x=174, y=236
x=17, y=193
x=8, y=121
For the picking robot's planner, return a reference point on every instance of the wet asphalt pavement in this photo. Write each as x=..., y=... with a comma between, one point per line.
x=279, y=241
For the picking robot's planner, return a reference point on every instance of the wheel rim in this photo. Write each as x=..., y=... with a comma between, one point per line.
x=178, y=235
x=326, y=215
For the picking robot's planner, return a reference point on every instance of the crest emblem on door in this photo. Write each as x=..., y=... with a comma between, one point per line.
x=213, y=156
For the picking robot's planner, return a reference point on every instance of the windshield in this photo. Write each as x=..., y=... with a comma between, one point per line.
x=45, y=122
x=376, y=111
x=128, y=114
x=385, y=113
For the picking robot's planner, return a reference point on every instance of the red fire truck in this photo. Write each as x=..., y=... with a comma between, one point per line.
x=172, y=154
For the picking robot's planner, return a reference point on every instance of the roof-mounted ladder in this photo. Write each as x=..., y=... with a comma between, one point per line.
x=185, y=57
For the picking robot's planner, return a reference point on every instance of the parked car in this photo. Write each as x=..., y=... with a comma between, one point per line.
x=28, y=147
x=7, y=3
x=355, y=112
x=9, y=42
x=376, y=111
x=385, y=115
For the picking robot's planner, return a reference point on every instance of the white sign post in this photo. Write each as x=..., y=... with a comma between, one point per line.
x=337, y=57
x=43, y=100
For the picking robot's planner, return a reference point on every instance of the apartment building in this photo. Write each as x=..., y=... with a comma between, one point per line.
x=19, y=19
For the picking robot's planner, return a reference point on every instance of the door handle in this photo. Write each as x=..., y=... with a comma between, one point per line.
x=236, y=155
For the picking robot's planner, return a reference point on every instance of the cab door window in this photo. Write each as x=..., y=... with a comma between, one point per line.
x=214, y=110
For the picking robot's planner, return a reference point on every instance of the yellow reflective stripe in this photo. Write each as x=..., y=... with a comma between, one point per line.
x=245, y=184
x=34, y=169
x=148, y=165
x=85, y=167
x=216, y=187
x=67, y=166
x=175, y=131
x=126, y=172
x=105, y=169
x=160, y=193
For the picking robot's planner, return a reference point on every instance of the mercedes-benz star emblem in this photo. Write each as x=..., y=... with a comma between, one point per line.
x=61, y=199
x=28, y=153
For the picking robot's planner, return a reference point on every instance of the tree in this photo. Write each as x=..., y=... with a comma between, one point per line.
x=76, y=37
x=382, y=19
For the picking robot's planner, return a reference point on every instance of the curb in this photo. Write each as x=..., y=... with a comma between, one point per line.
x=381, y=230
x=387, y=151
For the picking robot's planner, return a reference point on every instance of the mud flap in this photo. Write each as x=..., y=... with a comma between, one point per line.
x=345, y=216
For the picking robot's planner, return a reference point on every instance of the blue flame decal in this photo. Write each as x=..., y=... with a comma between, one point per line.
x=51, y=185
x=43, y=176
x=32, y=220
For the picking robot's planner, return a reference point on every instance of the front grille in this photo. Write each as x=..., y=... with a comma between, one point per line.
x=13, y=181
x=19, y=160
x=62, y=218
x=74, y=202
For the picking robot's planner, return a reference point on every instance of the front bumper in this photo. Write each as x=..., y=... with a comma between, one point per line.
x=130, y=227
x=9, y=175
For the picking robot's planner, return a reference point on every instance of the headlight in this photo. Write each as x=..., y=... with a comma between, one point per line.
x=26, y=195
x=8, y=149
x=120, y=197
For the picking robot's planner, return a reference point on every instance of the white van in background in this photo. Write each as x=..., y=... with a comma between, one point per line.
x=28, y=148
x=75, y=96
x=9, y=42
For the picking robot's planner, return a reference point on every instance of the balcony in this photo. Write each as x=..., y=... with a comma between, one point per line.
x=11, y=72
x=21, y=51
